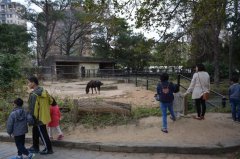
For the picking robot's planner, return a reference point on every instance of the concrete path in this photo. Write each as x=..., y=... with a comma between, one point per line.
x=8, y=150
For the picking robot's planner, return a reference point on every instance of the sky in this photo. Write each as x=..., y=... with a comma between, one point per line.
x=148, y=34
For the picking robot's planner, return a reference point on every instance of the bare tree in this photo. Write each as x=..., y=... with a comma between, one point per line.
x=45, y=23
x=74, y=32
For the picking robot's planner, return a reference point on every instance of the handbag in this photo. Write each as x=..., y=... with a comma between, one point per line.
x=205, y=95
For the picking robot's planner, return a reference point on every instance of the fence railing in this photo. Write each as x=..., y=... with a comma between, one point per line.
x=145, y=78
x=213, y=93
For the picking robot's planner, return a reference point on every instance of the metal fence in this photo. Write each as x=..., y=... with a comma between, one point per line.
x=144, y=78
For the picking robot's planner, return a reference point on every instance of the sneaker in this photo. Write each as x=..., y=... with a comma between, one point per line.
x=60, y=137
x=237, y=121
x=33, y=150
x=172, y=118
x=164, y=130
x=31, y=156
x=45, y=152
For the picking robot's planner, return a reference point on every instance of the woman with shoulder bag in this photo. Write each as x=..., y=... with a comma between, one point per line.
x=200, y=88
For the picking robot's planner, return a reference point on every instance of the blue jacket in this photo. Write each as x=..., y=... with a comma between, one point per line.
x=17, y=122
x=234, y=91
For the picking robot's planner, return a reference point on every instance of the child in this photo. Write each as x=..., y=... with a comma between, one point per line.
x=54, y=124
x=165, y=90
x=234, y=98
x=17, y=126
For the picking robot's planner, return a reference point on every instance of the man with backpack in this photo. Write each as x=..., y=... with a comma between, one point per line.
x=165, y=90
x=39, y=106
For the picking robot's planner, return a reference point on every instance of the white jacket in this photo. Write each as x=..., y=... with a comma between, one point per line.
x=200, y=83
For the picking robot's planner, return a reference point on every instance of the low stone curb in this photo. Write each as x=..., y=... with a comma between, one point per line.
x=138, y=148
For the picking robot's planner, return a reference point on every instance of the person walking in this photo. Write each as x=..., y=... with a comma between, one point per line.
x=199, y=85
x=165, y=90
x=55, y=119
x=39, y=106
x=234, y=98
x=17, y=126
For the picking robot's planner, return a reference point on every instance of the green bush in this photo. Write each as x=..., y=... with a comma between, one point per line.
x=6, y=107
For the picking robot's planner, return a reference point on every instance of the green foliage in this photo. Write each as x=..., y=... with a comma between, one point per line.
x=237, y=155
x=171, y=54
x=9, y=70
x=145, y=112
x=94, y=120
x=13, y=39
x=102, y=120
x=5, y=109
x=130, y=50
x=220, y=109
x=223, y=69
x=13, y=51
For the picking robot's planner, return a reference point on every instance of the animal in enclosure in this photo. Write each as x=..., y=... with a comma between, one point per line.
x=93, y=84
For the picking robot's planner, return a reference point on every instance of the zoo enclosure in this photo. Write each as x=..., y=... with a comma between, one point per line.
x=147, y=78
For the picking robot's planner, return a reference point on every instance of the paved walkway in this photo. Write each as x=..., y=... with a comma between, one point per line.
x=8, y=150
x=217, y=134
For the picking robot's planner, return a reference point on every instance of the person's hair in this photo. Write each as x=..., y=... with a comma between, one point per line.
x=164, y=77
x=18, y=102
x=200, y=67
x=54, y=103
x=234, y=79
x=33, y=79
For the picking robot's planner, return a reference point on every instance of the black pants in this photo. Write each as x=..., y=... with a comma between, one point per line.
x=201, y=107
x=41, y=131
x=20, y=143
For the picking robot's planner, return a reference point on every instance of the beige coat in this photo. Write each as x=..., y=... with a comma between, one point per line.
x=200, y=83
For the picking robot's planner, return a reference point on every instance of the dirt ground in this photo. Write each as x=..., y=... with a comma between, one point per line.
x=217, y=129
x=125, y=92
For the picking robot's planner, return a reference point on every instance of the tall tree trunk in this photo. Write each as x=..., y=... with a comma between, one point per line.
x=230, y=43
x=233, y=37
x=216, y=52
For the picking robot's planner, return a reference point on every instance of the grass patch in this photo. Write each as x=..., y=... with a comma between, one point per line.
x=92, y=120
x=220, y=110
x=145, y=112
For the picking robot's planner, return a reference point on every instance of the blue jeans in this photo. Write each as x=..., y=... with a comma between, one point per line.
x=164, y=107
x=235, y=106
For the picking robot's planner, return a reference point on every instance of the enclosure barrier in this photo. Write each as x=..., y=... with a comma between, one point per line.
x=147, y=78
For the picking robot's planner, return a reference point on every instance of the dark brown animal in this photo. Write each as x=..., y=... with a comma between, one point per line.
x=93, y=84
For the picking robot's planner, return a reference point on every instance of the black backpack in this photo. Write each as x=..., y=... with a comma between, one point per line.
x=166, y=93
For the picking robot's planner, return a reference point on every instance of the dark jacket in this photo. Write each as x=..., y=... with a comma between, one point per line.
x=17, y=122
x=234, y=91
x=169, y=97
x=32, y=98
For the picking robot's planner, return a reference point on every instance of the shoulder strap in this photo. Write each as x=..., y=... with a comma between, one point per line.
x=167, y=85
x=35, y=103
x=200, y=82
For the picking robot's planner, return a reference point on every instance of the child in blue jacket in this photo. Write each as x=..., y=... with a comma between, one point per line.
x=17, y=127
x=165, y=90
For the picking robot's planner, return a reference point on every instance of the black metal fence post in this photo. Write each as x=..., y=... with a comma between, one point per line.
x=136, y=80
x=178, y=79
x=147, y=82
x=224, y=101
